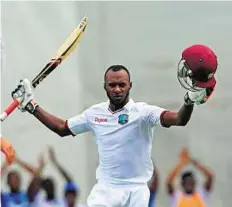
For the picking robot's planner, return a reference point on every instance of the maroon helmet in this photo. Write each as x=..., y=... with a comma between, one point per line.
x=197, y=67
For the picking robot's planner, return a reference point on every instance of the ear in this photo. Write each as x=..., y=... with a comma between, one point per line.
x=131, y=84
x=104, y=84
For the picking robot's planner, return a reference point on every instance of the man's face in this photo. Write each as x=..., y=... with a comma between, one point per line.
x=188, y=184
x=117, y=86
x=71, y=197
x=14, y=181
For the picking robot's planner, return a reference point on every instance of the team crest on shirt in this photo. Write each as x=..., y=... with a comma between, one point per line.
x=123, y=119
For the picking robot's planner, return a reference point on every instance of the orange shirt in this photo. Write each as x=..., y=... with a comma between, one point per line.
x=198, y=199
x=194, y=200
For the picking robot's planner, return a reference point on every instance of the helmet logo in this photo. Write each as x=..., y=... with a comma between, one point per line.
x=210, y=75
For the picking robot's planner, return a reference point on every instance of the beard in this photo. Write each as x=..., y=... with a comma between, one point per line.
x=118, y=104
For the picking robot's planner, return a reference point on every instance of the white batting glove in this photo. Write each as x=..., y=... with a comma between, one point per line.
x=197, y=97
x=24, y=93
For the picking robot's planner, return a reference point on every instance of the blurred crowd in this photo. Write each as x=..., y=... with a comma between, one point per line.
x=187, y=193
x=16, y=196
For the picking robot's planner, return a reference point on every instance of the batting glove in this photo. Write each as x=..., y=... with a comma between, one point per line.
x=24, y=93
x=198, y=97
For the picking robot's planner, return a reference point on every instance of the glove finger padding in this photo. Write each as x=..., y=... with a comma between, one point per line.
x=18, y=92
x=27, y=86
x=209, y=92
x=198, y=97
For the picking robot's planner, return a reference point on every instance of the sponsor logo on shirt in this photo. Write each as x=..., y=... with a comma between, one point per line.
x=100, y=120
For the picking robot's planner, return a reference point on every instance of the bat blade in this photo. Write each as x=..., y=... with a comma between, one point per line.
x=62, y=53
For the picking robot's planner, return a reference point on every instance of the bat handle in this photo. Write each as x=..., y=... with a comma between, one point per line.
x=10, y=109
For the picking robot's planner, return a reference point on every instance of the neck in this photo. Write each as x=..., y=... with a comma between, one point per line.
x=115, y=107
x=14, y=190
x=50, y=197
x=189, y=192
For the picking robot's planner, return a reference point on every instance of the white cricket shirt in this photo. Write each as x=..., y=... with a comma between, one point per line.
x=124, y=140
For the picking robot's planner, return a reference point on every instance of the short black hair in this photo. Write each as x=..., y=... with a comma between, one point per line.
x=187, y=174
x=47, y=181
x=116, y=68
x=12, y=172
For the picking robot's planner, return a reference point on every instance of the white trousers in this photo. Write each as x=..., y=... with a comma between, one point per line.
x=103, y=195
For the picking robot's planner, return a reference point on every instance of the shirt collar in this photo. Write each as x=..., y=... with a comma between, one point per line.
x=129, y=105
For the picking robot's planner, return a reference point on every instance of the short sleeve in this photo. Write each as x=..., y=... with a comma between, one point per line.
x=152, y=114
x=79, y=124
x=3, y=200
x=174, y=198
x=203, y=193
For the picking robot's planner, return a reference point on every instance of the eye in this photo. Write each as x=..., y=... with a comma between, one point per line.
x=122, y=85
x=112, y=85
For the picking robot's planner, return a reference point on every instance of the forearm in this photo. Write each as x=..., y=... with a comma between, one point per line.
x=53, y=123
x=62, y=171
x=33, y=188
x=26, y=166
x=4, y=168
x=184, y=114
x=35, y=183
x=207, y=173
x=171, y=177
x=180, y=118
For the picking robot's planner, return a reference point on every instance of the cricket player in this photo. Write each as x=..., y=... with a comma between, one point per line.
x=123, y=129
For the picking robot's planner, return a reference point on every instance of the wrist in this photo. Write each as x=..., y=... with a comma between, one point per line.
x=187, y=100
x=31, y=106
x=194, y=162
x=182, y=164
x=54, y=162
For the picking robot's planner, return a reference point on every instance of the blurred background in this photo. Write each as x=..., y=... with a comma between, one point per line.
x=146, y=37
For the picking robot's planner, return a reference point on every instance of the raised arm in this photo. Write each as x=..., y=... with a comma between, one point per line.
x=172, y=176
x=24, y=91
x=35, y=184
x=4, y=169
x=55, y=162
x=8, y=149
x=182, y=117
x=26, y=166
x=209, y=176
x=183, y=161
x=52, y=122
x=61, y=127
x=196, y=71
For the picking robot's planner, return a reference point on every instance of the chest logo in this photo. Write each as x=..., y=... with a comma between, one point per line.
x=123, y=119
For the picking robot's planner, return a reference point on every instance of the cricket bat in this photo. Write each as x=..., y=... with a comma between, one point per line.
x=62, y=53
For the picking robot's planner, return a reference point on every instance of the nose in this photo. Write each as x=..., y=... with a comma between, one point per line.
x=117, y=89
